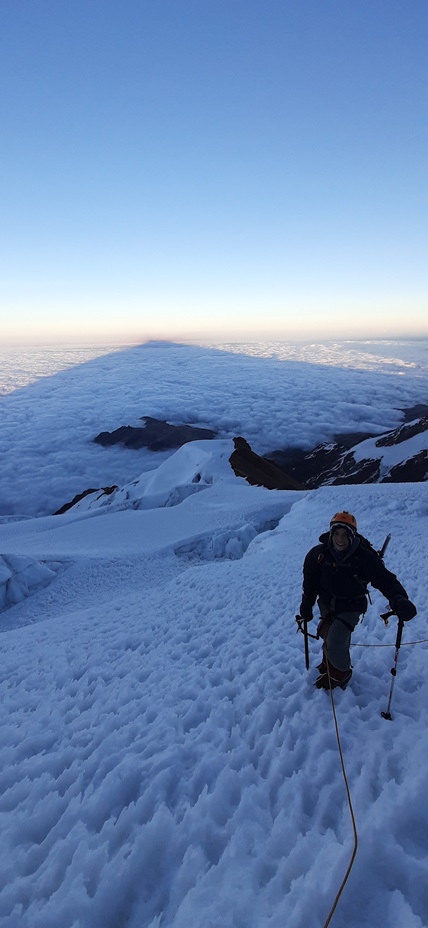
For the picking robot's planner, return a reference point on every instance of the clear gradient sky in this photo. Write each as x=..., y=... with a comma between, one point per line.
x=194, y=168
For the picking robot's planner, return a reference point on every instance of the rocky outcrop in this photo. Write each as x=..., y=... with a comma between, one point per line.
x=349, y=461
x=155, y=435
x=325, y=463
x=106, y=491
x=412, y=471
x=403, y=433
x=259, y=471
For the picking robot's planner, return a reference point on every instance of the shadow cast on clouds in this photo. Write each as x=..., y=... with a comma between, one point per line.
x=48, y=427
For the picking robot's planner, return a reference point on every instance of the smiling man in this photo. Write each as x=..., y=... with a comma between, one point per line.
x=336, y=572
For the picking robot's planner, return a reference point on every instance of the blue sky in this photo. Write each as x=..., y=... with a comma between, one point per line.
x=213, y=167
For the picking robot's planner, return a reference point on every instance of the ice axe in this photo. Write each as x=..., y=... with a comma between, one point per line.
x=382, y=550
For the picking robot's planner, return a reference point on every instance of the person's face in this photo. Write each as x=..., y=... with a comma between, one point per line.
x=340, y=539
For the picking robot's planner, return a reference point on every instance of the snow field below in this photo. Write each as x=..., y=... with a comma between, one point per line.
x=166, y=759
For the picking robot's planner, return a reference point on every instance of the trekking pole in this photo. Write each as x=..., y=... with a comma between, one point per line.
x=303, y=627
x=305, y=632
x=387, y=714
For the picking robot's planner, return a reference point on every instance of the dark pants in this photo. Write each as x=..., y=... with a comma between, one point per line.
x=338, y=638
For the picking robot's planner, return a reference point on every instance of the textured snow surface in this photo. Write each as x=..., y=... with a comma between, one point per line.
x=20, y=576
x=166, y=760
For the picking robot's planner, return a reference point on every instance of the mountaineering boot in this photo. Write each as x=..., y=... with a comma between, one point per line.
x=337, y=678
x=322, y=667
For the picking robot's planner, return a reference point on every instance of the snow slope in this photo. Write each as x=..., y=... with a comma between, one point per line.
x=391, y=455
x=166, y=760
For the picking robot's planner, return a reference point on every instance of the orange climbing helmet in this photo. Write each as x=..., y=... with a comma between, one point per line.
x=345, y=519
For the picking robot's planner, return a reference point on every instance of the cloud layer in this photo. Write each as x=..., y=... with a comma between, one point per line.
x=47, y=427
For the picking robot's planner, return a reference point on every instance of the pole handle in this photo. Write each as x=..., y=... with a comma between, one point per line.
x=399, y=633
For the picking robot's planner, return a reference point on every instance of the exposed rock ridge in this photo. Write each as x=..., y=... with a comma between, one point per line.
x=344, y=461
x=155, y=435
x=259, y=471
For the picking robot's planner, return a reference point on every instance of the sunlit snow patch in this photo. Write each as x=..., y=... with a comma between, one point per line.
x=194, y=467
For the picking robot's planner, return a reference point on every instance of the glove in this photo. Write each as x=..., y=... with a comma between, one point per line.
x=305, y=610
x=404, y=609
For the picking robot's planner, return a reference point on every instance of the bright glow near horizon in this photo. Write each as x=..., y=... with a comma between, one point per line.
x=221, y=170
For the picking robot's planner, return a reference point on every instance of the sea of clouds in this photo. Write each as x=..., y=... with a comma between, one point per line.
x=277, y=396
